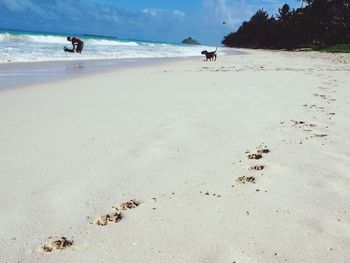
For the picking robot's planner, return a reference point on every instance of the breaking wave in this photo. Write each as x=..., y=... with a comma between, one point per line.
x=26, y=47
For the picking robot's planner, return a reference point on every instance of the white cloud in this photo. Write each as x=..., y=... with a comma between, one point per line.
x=17, y=5
x=230, y=12
x=179, y=14
x=150, y=11
x=25, y=5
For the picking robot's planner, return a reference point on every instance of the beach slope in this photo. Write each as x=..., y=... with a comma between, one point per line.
x=245, y=159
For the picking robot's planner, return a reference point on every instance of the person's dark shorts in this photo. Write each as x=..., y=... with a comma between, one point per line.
x=80, y=47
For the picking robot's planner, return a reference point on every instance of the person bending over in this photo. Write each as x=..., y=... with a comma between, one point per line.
x=77, y=43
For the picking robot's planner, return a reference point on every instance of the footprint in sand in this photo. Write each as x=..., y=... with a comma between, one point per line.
x=128, y=205
x=245, y=179
x=57, y=244
x=322, y=96
x=255, y=156
x=259, y=153
x=320, y=135
x=257, y=167
x=313, y=106
x=107, y=218
x=207, y=193
x=297, y=122
x=115, y=217
x=303, y=125
x=263, y=151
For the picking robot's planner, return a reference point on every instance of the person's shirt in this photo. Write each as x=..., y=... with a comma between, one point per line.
x=77, y=41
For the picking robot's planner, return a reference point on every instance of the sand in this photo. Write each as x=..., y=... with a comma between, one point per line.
x=245, y=159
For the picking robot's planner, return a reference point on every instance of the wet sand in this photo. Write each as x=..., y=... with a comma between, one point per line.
x=24, y=74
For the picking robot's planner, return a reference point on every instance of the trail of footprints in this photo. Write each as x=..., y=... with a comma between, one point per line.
x=54, y=244
x=116, y=215
x=57, y=244
x=312, y=127
x=302, y=125
x=60, y=243
x=308, y=127
x=261, y=150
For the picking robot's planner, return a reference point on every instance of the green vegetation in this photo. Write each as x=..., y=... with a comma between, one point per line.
x=342, y=48
x=319, y=25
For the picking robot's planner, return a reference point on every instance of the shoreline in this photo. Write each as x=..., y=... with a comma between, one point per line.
x=237, y=160
x=21, y=74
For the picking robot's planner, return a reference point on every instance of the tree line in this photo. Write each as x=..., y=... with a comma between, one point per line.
x=317, y=23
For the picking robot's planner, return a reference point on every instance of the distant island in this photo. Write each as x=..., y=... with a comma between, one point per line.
x=190, y=41
x=93, y=35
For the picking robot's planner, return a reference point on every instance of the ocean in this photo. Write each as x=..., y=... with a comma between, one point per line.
x=25, y=46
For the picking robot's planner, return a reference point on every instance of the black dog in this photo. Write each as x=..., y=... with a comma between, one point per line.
x=210, y=55
x=65, y=49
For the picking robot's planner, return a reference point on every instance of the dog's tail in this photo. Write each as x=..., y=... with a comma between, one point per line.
x=216, y=50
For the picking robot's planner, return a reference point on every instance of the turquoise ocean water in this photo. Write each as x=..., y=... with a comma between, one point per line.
x=25, y=46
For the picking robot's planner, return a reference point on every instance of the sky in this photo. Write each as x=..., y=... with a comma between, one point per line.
x=162, y=20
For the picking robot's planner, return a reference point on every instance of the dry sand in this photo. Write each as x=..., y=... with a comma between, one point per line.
x=241, y=160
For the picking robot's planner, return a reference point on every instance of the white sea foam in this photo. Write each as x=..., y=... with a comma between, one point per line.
x=26, y=47
x=7, y=37
x=110, y=42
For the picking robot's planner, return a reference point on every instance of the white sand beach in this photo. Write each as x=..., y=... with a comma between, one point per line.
x=176, y=137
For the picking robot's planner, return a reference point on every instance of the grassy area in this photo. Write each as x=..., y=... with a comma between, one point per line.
x=342, y=48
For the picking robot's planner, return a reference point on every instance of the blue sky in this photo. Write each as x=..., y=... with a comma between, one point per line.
x=164, y=20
